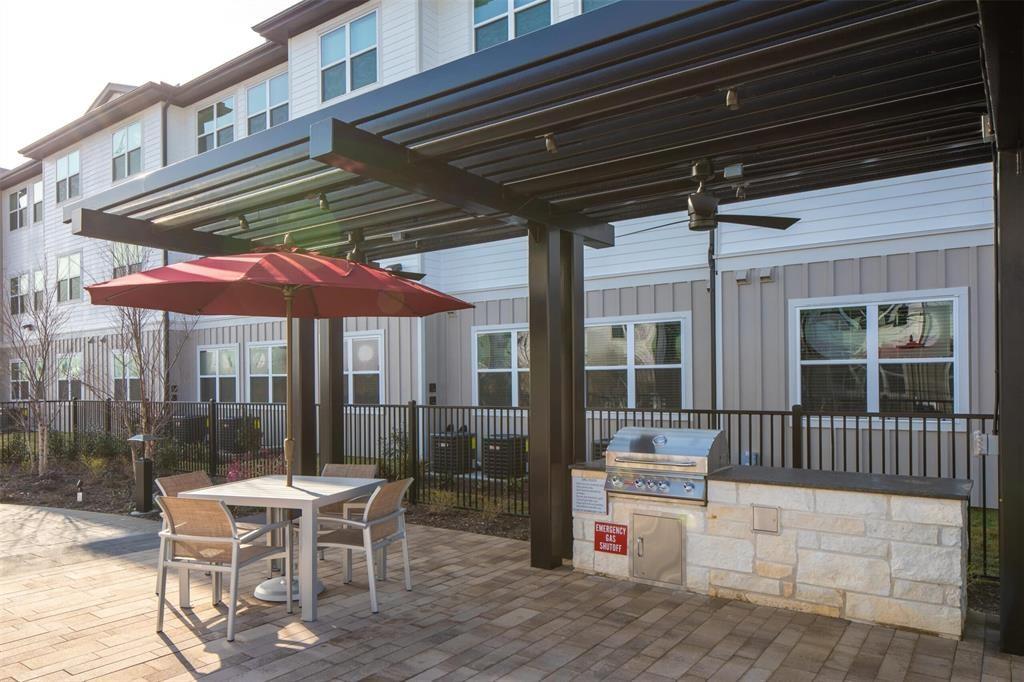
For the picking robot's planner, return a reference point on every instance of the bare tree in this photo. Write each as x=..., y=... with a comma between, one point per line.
x=144, y=353
x=32, y=324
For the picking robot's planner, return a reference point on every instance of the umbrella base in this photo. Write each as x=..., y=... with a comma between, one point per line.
x=273, y=590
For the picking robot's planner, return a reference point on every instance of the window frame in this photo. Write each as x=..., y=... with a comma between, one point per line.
x=349, y=55
x=213, y=105
x=510, y=11
x=348, y=373
x=60, y=378
x=23, y=296
x=269, y=345
x=580, y=10
x=17, y=216
x=69, y=299
x=67, y=178
x=265, y=85
x=513, y=331
x=37, y=201
x=199, y=370
x=24, y=382
x=961, y=339
x=123, y=354
x=127, y=152
x=38, y=292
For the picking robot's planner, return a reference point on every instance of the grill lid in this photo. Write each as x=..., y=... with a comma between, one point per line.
x=662, y=445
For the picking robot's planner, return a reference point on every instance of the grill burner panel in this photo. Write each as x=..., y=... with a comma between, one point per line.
x=666, y=463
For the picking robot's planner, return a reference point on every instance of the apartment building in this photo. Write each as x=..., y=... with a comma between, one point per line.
x=880, y=298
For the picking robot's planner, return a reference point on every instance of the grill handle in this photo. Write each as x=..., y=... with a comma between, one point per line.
x=637, y=460
x=640, y=546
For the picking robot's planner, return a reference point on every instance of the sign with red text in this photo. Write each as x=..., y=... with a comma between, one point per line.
x=610, y=537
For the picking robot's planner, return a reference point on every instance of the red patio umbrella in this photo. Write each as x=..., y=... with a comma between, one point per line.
x=280, y=282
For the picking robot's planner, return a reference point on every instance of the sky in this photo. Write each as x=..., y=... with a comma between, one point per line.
x=56, y=55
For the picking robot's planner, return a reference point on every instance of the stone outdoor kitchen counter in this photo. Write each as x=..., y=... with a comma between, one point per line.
x=875, y=548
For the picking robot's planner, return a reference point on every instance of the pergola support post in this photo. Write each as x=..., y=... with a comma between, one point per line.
x=304, y=397
x=331, y=354
x=1009, y=195
x=556, y=400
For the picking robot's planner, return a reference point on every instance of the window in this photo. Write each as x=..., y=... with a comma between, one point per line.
x=69, y=377
x=126, y=153
x=17, y=209
x=267, y=370
x=37, y=201
x=893, y=356
x=218, y=374
x=364, y=380
x=215, y=125
x=495, y=21
x=267, y=104
x=69, y=277
x=127, y=384
x=589, y=5
x=38, y=289
x=19, y=294
x=122, y=269
x=634, y=365
x=19, y=381
x=348, y=57
x=68, y=178
x=503, y=368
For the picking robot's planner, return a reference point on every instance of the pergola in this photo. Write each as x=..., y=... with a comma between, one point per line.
x=830, y=93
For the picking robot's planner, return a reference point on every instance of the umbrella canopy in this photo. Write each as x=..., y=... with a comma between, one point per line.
x=251, y=284
x=280, y=282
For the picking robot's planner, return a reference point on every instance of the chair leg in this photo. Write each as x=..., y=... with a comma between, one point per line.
x=405, y=559
x=161, y=591
x=184, y=598
x=217, y=588
x=288, y=564
x=348, y=566
x=159, y=565
x=233, y=604
x=368, y=546
x=384, y=562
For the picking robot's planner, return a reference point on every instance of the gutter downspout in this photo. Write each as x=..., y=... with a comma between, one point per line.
x=165, y=258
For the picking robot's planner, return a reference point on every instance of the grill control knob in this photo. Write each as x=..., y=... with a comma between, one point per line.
x=687, y=486
x=663, y=486
x=651, y=484
x=616, y=481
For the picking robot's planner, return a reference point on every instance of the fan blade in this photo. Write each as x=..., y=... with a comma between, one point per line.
x=414, y=276
x=772, y=222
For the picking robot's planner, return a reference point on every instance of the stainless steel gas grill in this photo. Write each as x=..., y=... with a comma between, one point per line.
x=667, y=463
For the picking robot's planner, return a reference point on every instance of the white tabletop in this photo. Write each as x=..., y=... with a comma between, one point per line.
x=307, y=492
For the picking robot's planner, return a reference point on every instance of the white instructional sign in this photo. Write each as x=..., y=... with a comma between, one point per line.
x=588, y=495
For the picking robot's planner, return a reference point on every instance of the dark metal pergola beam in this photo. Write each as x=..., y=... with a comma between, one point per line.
x=87, y=222
x=345, y=146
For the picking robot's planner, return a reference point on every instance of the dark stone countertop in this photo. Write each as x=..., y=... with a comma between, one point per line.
x=883, y=484
x=596, y=465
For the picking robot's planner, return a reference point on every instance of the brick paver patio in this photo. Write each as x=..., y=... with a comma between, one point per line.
x=76, y=601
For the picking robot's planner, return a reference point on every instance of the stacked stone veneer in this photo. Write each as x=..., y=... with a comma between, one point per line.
x=878, y=558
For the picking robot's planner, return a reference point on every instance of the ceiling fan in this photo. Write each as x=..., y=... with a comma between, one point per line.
x=702, y=207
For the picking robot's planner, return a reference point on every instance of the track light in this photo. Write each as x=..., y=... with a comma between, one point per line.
x=243, y=223
x=986, y=128
x=732, y=99
x=550, y=144
x=741, y=192
x=324, y=204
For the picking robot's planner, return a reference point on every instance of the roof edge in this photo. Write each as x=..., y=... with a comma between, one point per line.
x=301, y=17
x=19, y=174
x=231, y=72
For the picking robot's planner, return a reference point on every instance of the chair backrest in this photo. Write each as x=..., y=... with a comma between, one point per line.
x=387, y=499
x=350, y=470
x=203, y=518
x=172, y=486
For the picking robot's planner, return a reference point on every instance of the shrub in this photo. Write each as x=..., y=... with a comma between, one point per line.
x=14, y=449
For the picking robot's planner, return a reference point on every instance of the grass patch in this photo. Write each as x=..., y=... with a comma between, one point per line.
x=984, y=542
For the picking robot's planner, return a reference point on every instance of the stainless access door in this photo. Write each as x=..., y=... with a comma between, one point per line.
x=658, y=548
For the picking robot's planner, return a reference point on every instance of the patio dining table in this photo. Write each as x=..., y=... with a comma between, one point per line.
x=307, y=494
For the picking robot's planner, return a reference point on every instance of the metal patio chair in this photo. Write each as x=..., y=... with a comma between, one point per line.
x=202, y=535
x=330, y=513
x=383, y=523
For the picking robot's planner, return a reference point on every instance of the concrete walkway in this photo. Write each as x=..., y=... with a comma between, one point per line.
x=77, y=602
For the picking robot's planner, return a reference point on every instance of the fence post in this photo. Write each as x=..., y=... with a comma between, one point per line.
x=798, y=437
x=211, y=430
x=107, y=417
x=412, y=439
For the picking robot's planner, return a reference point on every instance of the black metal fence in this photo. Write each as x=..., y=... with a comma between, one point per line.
x=477, y=457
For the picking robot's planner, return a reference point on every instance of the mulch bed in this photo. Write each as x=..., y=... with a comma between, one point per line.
x=109, y=492
x=500, y=525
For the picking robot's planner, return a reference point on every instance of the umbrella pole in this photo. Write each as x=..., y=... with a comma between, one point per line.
x=289, y=442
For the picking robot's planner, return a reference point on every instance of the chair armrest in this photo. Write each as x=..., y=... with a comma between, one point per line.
x=263, y=530
x=197, y=538
x=368, y=524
